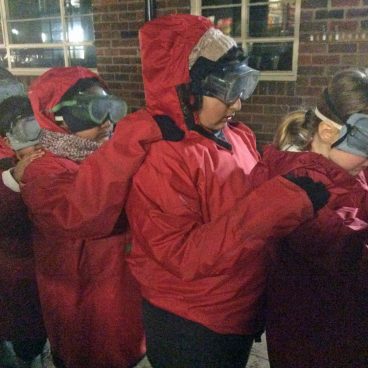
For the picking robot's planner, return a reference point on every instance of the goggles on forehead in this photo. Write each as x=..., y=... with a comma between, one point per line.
x=231, y=81
x=96, y=109
x=353, y=137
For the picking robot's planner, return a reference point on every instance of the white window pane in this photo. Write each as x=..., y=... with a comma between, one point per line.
x=220, y=2
x=271, y=56
x=36, y=58
x=80, y=29
x=23, y=9
x=3, y=59
x=36, y=31
x=77, y=7
x=226, y=19
x=83, y=56
x=273, y=19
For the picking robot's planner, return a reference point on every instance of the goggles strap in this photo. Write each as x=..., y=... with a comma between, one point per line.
x=340, y=140
x=60, y=105
x=326, y=119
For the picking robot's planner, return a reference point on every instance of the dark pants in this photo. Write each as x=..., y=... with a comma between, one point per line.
x=28, y=349
x=175, y=342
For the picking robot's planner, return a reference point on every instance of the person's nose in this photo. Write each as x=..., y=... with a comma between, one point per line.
x=236, y=106
x=106, y=125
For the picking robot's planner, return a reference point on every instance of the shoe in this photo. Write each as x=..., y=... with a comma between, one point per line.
x=8, y=358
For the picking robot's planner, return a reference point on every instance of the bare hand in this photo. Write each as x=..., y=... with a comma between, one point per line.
x=21, y=165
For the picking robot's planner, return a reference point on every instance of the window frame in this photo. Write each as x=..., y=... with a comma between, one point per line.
x=278, y=75
x=64, y=45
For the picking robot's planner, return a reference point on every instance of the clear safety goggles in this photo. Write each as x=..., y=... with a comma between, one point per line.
x=353, y=137
x=96, y=109
x=25, y=132
x=231, y=81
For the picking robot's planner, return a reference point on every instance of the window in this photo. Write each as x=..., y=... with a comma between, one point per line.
x=39, y=34
x=269, y=30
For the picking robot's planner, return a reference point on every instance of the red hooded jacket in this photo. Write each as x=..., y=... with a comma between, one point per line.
x=20, y=311
x=318, y=287
x=90, y=301
x=198, y=235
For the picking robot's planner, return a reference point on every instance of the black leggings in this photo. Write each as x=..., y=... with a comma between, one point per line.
x=28, y=349
x=175, y=342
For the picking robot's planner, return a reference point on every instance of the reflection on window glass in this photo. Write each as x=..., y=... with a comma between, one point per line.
x=226, y=19
x=83, y=55
x=273, y=19
x=36, y=31
x=38, y=23
x=32, y=9
x=3, y=59
x=36, y=58
x=80, y=29
x=76, y=7
x=220, y=2
x=271, y=56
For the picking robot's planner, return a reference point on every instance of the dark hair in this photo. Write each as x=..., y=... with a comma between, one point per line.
x=346, y=94
x=11, y=109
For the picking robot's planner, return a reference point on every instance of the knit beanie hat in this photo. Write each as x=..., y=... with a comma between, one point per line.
x=211, y=46
x=206, y=55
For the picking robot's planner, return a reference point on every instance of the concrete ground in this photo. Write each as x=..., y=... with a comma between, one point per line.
x=258, y=356
x=258, y=359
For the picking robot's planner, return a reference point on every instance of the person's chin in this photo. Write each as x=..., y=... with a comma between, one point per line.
x=103, y=139
x=221, y=125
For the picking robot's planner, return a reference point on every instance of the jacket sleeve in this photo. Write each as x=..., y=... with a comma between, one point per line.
x=12, y=211
x=165, y=216
x=85, y=201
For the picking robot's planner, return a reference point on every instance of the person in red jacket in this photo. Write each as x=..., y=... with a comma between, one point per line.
x=22, y=332
x=198, y=233
x=75, y=194
x=317, y=291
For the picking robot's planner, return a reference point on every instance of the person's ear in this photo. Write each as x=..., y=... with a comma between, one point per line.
x=18, y=155
x=7, y=142
x=327, y=133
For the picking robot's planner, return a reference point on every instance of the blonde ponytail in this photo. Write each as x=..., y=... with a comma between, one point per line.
x=296, y=131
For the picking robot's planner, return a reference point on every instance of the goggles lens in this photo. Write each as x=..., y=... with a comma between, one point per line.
x=96, y=109
x=24, y=133
x=107, y=107
x=354, y=136
x=233, y=81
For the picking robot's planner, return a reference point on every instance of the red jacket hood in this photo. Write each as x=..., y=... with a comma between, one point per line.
x=46, y=91
x=5, y=151
x=166, y=44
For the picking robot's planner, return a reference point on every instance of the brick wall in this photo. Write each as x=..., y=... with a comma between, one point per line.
x=116, y=30
x=117, y=23
x=339, y=29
